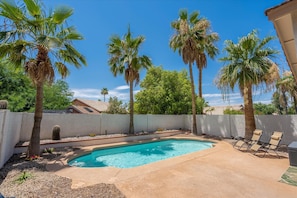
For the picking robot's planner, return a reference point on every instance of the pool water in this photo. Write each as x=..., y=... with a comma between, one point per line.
x=129, y=156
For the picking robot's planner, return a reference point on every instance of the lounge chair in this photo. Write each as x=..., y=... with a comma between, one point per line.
x=273, y=144
x=255, y=139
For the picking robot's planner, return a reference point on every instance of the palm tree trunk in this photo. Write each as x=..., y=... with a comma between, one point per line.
x=295, y=103
x=285, y=101
x=131, y=126
x=193, y=100
x=34, y=145
x=250, y=124
x=200, y=82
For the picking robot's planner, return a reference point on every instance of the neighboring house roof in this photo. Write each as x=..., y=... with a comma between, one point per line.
x=284, y=18
x=89, y=106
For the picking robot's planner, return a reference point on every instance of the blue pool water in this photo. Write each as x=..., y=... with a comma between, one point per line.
x=139, y=154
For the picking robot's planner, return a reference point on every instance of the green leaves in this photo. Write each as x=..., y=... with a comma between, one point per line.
x=10, y=10
x=33, y=8
x=247, y=62
x=124, y=57
x=164, y=92
x=60, y=14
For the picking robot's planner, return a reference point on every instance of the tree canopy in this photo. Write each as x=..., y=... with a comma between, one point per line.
x=116, y=106
x=164, y=92
x=18, y=90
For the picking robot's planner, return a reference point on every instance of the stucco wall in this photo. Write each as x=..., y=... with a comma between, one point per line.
x=71, y=125
x=10, y=124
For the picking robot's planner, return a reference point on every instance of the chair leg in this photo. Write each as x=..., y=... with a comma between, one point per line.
x=265, y=151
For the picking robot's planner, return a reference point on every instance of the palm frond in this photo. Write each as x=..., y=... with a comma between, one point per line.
x=183, y=14
x=62, y=69
x=10, y=10
x=61, y=13
x=33, y=7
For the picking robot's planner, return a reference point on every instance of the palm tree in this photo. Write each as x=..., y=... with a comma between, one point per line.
x=124, y=58
x=34, y=39
x=186, y=40
x=287, y=84
x=104, y=91
x=248, y=64
x=206, y=48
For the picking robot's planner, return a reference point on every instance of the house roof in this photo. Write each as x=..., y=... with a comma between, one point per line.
x=98, y=106
x=284, y=18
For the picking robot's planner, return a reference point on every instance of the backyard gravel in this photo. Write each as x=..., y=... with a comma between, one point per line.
x=41, y=183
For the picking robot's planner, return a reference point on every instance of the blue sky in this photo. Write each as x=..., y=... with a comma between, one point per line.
x=98, y=20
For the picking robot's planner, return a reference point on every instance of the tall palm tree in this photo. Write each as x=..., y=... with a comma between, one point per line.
x=186, y=40
x=206, y=47
x=40, y=42
x=104, y=91
x=248, y=64
x=124, y=58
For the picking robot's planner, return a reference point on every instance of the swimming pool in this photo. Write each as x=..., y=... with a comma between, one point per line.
x=129, y=156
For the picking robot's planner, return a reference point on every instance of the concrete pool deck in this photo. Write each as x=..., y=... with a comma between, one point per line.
x=221, y=171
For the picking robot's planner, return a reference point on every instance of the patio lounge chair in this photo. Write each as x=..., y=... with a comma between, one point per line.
x=255, y=139
x=273, y=144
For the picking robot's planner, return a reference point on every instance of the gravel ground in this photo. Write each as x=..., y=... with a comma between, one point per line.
x=41, y=183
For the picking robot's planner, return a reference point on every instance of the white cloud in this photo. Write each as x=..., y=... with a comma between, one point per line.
x=120, y=92
x=123, y=87
x=216, y=99
x=86, y=93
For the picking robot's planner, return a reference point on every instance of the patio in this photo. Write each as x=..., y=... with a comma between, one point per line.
x=221, y=171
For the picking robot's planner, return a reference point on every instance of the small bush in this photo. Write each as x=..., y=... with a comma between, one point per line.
x=49, y=150
x=23, y=177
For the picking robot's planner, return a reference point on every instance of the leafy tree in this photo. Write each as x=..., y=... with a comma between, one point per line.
x=186, y=41
x=230, y=111
x=248, y=64
x=116, y=106
x=15, y=87
x=264, y=109
x=104, y=91
x=201, y=104
x=57, y=96
x=164, y=92
x=124, y=58
x=40, y=41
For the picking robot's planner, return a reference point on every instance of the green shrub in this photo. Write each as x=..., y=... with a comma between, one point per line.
x=23, y=177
